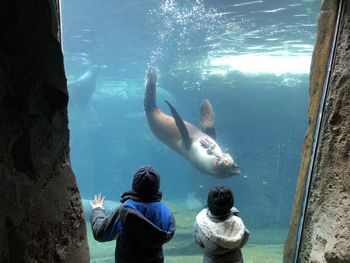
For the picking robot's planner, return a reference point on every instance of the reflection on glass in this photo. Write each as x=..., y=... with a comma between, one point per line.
x=250, y=58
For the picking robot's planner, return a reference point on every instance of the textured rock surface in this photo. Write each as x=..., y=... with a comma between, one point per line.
x=317, y=75
x=326, y=235
x=41, y=211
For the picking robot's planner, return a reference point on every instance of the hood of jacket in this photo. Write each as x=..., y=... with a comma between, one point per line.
x=142, y=232
x=228, y=233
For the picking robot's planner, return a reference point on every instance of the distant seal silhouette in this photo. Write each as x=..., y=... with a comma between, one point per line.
x=198, y=147
x=81, y=90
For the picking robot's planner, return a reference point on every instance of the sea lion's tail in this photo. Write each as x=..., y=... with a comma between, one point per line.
x=150, y=93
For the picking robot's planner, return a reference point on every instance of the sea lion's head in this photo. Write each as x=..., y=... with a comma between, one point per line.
x=226, y=166
x=215, y=161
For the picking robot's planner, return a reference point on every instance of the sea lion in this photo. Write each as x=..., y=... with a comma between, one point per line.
x=198, y=147
x=81, y=90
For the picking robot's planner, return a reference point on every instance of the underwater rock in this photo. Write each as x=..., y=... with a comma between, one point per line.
x=193, y=202
x=290, y=82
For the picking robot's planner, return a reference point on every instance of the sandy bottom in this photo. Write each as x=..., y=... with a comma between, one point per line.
x=264, y=246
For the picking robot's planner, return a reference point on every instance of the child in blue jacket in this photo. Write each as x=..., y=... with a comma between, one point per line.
x=140, y=225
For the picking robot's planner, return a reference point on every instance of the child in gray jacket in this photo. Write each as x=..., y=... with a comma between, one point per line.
x=219, y=230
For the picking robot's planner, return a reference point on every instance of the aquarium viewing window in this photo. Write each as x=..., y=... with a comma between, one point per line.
x=251, y=59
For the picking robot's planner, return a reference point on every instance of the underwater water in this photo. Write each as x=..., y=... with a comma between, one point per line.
x=251, y=59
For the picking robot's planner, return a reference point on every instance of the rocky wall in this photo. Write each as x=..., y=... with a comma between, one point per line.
x=318, y=72
x=41, y=210
x=326, y=233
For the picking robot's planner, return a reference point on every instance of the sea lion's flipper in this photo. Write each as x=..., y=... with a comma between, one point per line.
x=207, y=118
x=181, y=126
x=150, y=93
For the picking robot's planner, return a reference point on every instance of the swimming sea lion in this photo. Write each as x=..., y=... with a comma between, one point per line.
x=81, y=90
x=198, y=147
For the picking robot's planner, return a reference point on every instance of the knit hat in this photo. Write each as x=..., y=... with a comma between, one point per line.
x=146, y=181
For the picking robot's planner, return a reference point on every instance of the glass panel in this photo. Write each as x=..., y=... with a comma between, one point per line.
x=251, y=59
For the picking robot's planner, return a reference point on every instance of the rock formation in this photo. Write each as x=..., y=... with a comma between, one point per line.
x=326, y=232
x=41, y=211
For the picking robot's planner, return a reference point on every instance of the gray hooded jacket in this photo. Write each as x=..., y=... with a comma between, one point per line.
x=220, y=238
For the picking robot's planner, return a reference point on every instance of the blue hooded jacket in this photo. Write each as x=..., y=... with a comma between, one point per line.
x=140, y=228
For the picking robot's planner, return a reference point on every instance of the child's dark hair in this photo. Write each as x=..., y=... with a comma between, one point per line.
x=220, y=200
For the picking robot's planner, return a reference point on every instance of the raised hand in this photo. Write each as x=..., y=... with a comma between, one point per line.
x=98, y=201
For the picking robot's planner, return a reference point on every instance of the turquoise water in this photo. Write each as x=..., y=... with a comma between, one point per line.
x=250, y=58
